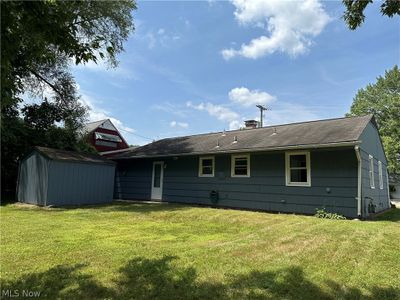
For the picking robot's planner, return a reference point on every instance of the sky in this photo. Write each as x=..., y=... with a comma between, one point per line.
x=201, y=66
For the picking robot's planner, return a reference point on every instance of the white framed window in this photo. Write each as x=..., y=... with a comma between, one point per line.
x=371, y=172
x=206, y=166
x=298, y=168
x=240, y=165
x=380, y=175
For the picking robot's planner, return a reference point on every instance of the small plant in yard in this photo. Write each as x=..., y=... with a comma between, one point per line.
x=323, y=214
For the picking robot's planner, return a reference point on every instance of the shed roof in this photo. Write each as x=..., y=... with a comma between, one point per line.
x=307, y=134
x=64, y=155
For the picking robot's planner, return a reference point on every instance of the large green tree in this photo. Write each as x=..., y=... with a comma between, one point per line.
x=382, y=99
x=39, y=42
x=354, y=13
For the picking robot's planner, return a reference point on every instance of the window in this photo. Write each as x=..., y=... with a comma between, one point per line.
x=380, y=175
x=105, y=143
x=240, y=165
x=371, y=172
x=107, y=137
x=298, y=171
x=206, y=166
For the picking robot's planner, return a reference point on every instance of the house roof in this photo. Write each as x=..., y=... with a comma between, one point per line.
x=89, y=127
x=306, y=134
x=64, y=155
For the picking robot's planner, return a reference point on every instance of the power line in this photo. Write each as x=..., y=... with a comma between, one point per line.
x=143, y=137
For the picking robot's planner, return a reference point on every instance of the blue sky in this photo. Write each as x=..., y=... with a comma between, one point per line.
x=195, y=67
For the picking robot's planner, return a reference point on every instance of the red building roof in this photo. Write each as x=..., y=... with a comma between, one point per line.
x=104, y=136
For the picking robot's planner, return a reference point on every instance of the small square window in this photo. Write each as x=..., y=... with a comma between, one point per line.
x=240, y=166
x=206, y=166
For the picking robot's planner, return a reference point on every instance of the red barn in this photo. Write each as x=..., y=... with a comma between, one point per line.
x=104, y=136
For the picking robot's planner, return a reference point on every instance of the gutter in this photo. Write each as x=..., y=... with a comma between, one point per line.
x=359, y=199
x=251, y=150
x=116, y=151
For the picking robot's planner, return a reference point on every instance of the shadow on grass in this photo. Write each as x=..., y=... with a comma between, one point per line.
x=392, y=215
x=145, y=207
x=141, y=208
x=161, y=278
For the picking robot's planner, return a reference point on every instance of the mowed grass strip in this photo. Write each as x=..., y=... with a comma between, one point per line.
x=166, y=251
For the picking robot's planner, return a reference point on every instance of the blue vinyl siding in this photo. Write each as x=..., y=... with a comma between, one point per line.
x=133, y=179
x=333, y=182
x=371, y=145
x=80, y=183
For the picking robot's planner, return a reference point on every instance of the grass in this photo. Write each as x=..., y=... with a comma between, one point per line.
x=165, y=251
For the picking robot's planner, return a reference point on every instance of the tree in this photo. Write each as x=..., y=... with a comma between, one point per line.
x=40, y=40
x=383, y=100
x=354, y=14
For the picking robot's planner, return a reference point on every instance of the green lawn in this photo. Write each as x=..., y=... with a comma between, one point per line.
x=163, y=251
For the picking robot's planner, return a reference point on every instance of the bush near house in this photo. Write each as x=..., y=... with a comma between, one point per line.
x=164, y=251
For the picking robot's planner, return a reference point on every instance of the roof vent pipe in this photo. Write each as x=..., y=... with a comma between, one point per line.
x=223, y=133
x=217, y=144
x=235, y=139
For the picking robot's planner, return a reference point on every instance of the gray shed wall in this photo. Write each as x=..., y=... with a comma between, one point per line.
x=335, y=169
x=371, y=145
x=33, y=179
x=72, y=183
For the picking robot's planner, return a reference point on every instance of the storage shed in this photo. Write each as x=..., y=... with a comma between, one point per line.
x=62, y=178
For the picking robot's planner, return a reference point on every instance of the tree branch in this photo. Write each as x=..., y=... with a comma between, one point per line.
x=40, y=77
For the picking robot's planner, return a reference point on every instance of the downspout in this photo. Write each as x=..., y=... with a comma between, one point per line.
x=358, y=154
x=387, y=184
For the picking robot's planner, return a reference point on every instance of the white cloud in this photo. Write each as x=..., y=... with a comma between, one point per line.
x=178, y=124
x=155, y=38
x=246, y=97
x=96, y=113
x=291, y=25
x=220, y=112
x=151, y=40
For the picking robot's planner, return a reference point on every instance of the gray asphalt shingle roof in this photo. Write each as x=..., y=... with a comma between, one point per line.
x=64, y=155
x=313, y=133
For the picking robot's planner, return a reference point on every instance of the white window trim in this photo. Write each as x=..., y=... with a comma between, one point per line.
x=380, y=175
x=371, y=172
x=233, y=157
x=201, y=158
x=287, y=168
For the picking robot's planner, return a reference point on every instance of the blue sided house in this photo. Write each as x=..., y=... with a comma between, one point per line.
x=336, y=164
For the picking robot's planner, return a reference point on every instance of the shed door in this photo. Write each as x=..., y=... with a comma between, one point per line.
x=157, y=180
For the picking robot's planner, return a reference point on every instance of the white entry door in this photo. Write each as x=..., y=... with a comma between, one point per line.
x=157, y=180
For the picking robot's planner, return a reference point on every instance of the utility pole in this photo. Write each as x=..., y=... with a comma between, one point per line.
x=262, y=108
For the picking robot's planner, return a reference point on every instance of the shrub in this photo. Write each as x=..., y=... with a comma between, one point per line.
x=323, y=214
